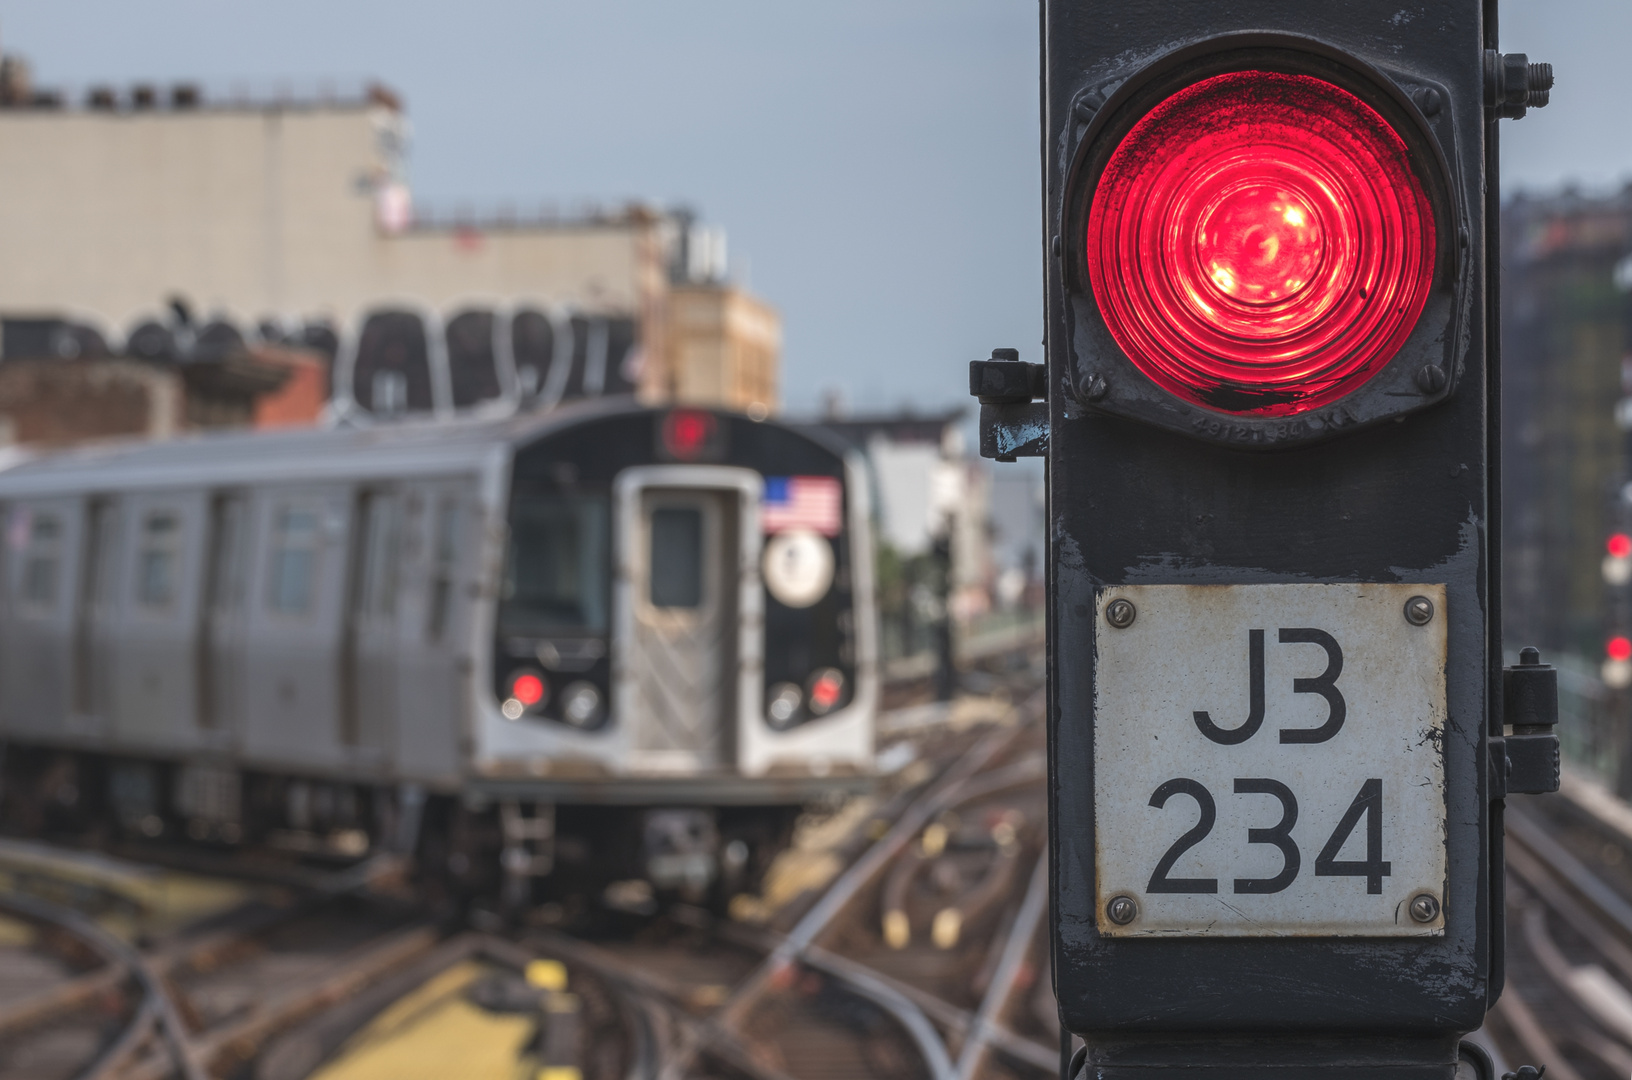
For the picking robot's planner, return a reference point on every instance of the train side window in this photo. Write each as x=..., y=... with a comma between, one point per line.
x=443, y=555
x=42, y=559
x=294, y=560
x=676, y=557
x=156, y=559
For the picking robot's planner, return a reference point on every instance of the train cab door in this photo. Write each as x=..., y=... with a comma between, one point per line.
x=439, y=566
x=681, y=658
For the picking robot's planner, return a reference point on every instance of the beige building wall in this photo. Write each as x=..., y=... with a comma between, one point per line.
x=725, y=348
x=283, y=212
x=267, y=212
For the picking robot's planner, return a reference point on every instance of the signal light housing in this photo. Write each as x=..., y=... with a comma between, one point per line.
x=1261, y=244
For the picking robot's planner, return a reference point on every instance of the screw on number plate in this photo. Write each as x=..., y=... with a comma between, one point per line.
x=1120, y=614
x=1419, y=611
x=1122, y=909
x=1425, y=907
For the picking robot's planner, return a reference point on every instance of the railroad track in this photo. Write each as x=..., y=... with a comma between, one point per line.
x=1569, y=936
x=924, y=956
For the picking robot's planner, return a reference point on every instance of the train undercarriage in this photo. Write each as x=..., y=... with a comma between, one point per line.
x=461, y=848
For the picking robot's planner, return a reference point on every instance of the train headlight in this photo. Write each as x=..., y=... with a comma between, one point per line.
x=782, y=708
x=581, y=705
x=826, y=691
x=529, y=693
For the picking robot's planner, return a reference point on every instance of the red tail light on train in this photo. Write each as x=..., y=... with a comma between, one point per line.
x=528, y=693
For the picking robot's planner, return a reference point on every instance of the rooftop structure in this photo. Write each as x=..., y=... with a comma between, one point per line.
x=138, y=221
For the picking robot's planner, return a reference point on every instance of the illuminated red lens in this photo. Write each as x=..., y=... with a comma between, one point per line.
x=825, y=691
x=686, y=433
x=1620, y=545
x=1258, y=243
x=527, y=689
x=1619, y=648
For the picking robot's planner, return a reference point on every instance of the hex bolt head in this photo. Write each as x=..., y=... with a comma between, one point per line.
x=1120, y=614
x=1424, y=907
x=1431, y=378
x=1093, y=387
x=1122, y=910
x=1419, y=611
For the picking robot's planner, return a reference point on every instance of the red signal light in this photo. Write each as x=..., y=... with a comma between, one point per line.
x=1258, y=243
x=527, y=688
x=1619, y=648
x=687, y=433
x=1619, y=545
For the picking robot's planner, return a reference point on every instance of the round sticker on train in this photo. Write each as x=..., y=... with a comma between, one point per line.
x=798, y=567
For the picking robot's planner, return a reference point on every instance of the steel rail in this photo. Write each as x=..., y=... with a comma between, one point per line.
x=1564, y=884
x=157, y=1005
x=1523, y=862
x=705, y=1035
x=1021, y=935
x=953, y=1018
x=1538, y=1045
x=356, y=970
x=947, y=791
x=1571, y=871
x=1611, y=1052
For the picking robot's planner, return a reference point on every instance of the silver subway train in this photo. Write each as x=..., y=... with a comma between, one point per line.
x=608, y=642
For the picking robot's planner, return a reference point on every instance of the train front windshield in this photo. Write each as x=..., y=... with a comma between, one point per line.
x=558, y=568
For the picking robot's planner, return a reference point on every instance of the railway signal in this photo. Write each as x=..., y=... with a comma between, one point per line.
x=1279, y=714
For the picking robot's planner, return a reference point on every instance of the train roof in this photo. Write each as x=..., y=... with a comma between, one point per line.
x=409, y=447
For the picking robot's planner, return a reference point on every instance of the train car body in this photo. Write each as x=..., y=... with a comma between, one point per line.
x=455, y=633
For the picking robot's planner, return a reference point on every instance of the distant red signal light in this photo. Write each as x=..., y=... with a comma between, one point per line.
x=1619, y=545
x=1258, y=243
x=688, y=433
x=1619, y=648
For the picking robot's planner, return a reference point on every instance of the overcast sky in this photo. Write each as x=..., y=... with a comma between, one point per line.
x=874, y=161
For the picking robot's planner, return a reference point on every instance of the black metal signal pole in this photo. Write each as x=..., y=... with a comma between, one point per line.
x=1279, y=728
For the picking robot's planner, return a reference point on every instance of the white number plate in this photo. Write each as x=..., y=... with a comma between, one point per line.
x=1268, y=760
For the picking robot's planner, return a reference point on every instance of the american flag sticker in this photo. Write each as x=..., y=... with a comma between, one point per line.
x=802, y=502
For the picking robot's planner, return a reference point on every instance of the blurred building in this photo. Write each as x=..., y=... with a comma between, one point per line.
x=944, y=557
x=53, y=402
x=140, y=221
x=1565, y=364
